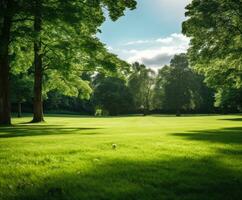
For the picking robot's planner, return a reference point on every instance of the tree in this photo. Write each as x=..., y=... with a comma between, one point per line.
x=229, y=100
x=159, y=88
x=58, y=103
x=21, y=89
x=215, y=28
x=203, y=96
x=112, y=95
x=48, y=14
x=178, y=84
x=84, y=15
x=141, y=82
x=6, y=18
x=13, y=16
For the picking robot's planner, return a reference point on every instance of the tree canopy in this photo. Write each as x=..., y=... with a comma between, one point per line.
x=215, y=29
x=63, y=34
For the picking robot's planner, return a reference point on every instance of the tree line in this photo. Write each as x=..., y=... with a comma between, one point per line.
x=175, y=89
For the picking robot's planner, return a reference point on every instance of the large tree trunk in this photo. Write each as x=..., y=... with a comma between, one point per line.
x=38, y=76
x=5, y=110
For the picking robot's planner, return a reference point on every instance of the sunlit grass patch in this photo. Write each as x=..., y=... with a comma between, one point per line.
x=155, y=157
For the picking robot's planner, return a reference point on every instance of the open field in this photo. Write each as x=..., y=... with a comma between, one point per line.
x=198, y=157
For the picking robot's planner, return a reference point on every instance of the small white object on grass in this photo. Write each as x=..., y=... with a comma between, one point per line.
x=114, y=146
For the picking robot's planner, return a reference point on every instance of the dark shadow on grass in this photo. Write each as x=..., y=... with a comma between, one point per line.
x=30, y=122
x=226, y=135
x=233, y=152
x=232, y=119
x=174, y=179
x=184, y=115
x=42, y=130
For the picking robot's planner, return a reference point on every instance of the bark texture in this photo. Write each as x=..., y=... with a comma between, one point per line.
x=5, y=109
x=38, y=76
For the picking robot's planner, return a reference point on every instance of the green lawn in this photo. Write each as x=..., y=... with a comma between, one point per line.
x=157, y=157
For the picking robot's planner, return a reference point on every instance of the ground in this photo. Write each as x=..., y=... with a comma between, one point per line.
x=156, y=157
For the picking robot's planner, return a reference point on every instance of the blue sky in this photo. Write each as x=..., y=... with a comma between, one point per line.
x=151, y=34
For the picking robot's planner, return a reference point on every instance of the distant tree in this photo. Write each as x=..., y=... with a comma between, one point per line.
x=21, y=90
x=111, y=94
x=178, y=84
x=229, y=100
x=178, y=87
x=58, y=103
x=159, y=88
x=203, y=96
x=141, y=83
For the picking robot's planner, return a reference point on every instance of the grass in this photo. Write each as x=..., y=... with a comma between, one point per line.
x=71, y=157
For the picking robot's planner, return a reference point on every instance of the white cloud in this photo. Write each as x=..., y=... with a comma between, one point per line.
x=110, y=48
x=165, y=40
x=156, y=57
x=156, y=52
x=137, y=42
x=172, y=39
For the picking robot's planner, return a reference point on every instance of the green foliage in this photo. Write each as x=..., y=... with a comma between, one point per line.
x=69, y=44
x=65, y=43
x=111, y=94
x=69, y=85
x=215, y=29
x=98, y=112
x=229, y=99
x=178, y=84
x=21, y=88
x=141, y=82
x=21, y=55
x=203, y=96
x=117, y=8
x=56, y=102
x=178, y=88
